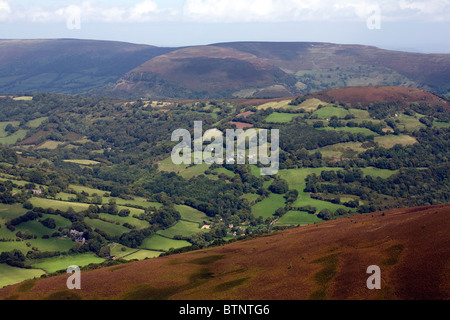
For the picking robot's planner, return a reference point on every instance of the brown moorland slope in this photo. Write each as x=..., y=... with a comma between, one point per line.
x=276, y=69
x=200, y=71
x=323, y=261
x=403, y=96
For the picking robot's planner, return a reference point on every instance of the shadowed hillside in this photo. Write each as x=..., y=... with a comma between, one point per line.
x=322, y=261
x=67, y=65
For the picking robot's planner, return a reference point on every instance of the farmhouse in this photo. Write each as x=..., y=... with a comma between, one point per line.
x=77, y=236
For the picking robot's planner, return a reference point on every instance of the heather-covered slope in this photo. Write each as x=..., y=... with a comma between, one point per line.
x=322, y=261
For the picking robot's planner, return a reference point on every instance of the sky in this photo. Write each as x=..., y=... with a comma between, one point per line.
x=407, y=25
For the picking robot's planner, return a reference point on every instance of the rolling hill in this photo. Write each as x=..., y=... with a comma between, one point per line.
x=328, y=260
x=402, y=96
x=223, y=70
x=67, y=65
x=269, y=70
x=202, y=72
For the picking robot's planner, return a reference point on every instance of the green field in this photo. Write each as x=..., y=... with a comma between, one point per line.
x=310, y=105
x=88, y=190
x=275, y=105
x=361, y=114
x=11, y=275
x=8, y=212
x=64, y=261
x=142, y=254
x=194, y=170
x=296, y=180
x=36, y=122
x=251, y=196
x=298, y=217
x=61, y=205
x=278, y=117
x=168, y=166
x=83, y=162
x=18, y=135
x=255, y=170
x=35, y=227
x=443, y=125
x=391, y=140
x=328, y=112
x=110, y=228
x=191, y=214
x=364, y=131
x=341, y=150
x=13, y=138
x=23, y=98
x=304, y=199
x=409, y=123
x=139, y=224
x=50, y=145
x=181, y=228
x=375, y=172
x=267, y=207
x=159, y=243
x=224, y=171
x=63, y=196
x=137, y=201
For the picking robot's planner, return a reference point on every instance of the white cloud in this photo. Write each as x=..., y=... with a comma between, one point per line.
x=317, y=10
x=143, y=11
x=4, y=6
x=90, y=11
x=5, y=10
x=230, y=10
x=220, y=11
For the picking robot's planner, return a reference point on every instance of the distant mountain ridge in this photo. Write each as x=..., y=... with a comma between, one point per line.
x=67, y=65
x=222, y=70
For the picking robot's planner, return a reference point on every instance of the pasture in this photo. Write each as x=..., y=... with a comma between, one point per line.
x=278, y=117
x=190, y=214
x=409, y=123
x=310, y=105
x=267, y=207
x=392, y=140
x=365, y=131
x=11, y=275
x=36, y=122
x=83, y=162
x=329, y=112
x=298, y=218
x=275, y=105
x=110, y=228
x=56, y=204
x=341, y=150
x=181, y=228
x=62, y=262
x=160, y=243
x=142, y=254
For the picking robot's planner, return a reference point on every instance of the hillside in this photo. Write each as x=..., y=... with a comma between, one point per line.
x=322, y=261
x=103, y=167
x=289, y=69
x=223, y=70
x=365, y=96
x=67, y=65
x=201, y=72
